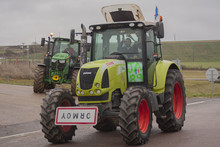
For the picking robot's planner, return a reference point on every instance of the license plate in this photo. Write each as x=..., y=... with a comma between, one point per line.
x=76, y=115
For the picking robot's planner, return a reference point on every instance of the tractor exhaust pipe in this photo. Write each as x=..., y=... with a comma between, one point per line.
x=83, y=51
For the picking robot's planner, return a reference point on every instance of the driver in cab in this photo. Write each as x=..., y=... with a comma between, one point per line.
x=128, y=48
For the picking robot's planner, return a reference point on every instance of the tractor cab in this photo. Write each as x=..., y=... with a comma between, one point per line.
x=136, y=41
x=61, y=46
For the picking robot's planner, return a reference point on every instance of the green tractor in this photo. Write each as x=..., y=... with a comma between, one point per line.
x=61, y=64
x=126, y=81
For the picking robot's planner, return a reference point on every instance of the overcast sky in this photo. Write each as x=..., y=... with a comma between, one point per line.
x=24, y=21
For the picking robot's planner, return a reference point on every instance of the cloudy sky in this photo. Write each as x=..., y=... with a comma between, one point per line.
x=26, y=21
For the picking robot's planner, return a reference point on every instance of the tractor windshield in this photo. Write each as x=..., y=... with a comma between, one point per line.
x=126, y=41
x=63, y=46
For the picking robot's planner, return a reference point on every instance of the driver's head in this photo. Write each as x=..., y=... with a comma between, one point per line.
x=128, y=42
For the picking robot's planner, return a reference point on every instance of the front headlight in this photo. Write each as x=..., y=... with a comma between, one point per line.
x=53, y=60
x=97, y=85
x=98, y=91
x=62, y=61
x=91, y=92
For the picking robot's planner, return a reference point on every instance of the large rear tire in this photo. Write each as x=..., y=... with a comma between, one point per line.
x=171, y=115
x=73, y=84
x=135, y=118
x=54, y=133
x=39, y=84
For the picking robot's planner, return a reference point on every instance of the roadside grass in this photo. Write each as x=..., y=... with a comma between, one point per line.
x=197, y=74
x=26, y=82
x=200, y=65
x=196, y=88
x=17, y=71
x=201, y=89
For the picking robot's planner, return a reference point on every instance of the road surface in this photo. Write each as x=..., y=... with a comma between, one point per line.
x=20, y=124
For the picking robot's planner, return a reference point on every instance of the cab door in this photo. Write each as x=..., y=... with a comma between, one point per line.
x=150, y=50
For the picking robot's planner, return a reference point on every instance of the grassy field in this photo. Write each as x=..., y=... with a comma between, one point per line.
x=192, y=51
x=200, y=65
x=201, y=89
x=195, y=88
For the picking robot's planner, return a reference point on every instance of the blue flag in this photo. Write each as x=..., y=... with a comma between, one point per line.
x=156, y=13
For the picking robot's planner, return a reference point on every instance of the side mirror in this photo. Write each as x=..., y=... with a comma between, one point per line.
x=72, y=36
x=42, y=41
x=160, y=30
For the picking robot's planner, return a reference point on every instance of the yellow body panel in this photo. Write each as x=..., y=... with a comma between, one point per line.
x=117, y=78
x=161, y=73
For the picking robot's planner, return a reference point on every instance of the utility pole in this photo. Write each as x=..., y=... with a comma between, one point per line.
x=193, y=54
x=28, y=60
x=35, y=49
x=22, y=47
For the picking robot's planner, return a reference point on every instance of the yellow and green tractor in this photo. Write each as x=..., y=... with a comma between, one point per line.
x=124, y=83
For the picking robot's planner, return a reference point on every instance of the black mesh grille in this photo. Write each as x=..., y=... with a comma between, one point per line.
x=105, y=79
x=103, y=97
x=61, y=66
x=87, y=77
x=53, y=65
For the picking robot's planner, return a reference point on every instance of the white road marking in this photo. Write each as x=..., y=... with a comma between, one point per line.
x=20, y=135
x=195, y=103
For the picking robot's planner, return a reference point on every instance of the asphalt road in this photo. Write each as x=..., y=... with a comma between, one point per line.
x=19, y=124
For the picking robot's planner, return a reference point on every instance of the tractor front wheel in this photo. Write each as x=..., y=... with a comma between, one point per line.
x=135, y=118
x=54, y=133
x=39, y=84
x=171, y=116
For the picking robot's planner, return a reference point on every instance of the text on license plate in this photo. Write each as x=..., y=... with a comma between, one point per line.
x=76, y=115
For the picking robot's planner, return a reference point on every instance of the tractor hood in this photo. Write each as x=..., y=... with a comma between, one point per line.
x=122, y=12
x=103, y=64
x=60, y=56
x=97, y=80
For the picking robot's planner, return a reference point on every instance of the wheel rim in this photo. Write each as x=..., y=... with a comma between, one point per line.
x=143, y=120
x=65, y=103
x=177, y=100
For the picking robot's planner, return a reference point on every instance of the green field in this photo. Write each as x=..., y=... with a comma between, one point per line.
x=193, y=54
x=192, y=51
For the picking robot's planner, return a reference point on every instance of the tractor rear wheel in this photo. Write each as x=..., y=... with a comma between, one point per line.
x=39, y=79
x=73, y=84
x=172, y=114
x=54, y=133
x=135, y=118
